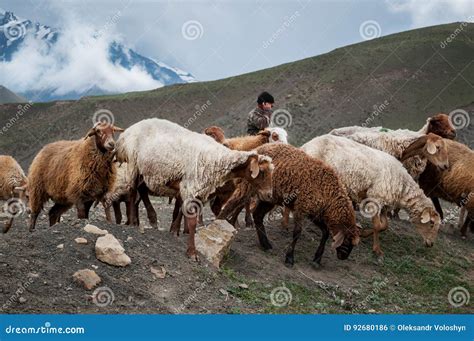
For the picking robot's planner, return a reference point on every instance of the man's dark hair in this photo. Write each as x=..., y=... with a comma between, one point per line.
x=265, y=97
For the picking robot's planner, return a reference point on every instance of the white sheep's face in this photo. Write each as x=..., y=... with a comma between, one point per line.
x=428, y=225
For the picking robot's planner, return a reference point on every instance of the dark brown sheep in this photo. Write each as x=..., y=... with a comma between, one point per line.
x=73, y=173
x=311, y=189
x=456, y=184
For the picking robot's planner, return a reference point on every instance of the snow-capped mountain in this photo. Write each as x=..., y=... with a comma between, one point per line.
x=122, y=62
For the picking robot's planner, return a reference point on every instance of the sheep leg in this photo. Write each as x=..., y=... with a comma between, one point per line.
x=32, y=222
x=467, y=222
x=150, y=211
x=56, y=211
x=177, y=216
x=133, y=206
x=108, y=215
x=8, y=225
x=87, y=208
x=216, y=205
x=290, y=259
x=248, y=215
x=286, y=217
x=322, y=244
x=462, y=217
x=438, y=207
x=191, y=251
x=118, y=212
x=380, y=223
x=260, y=211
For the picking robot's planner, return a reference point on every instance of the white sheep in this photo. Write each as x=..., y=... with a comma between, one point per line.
x=13, y=185
x=164, y=155
x=378, y=182
x=414, y=149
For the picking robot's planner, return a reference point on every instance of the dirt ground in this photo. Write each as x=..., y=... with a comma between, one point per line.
x=36, y=275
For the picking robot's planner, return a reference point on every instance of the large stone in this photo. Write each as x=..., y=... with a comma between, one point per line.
x=89, y=228
x=87, y=278
x=110, y=251
x=214, y=240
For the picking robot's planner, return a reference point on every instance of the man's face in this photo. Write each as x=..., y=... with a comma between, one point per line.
x=267, y=106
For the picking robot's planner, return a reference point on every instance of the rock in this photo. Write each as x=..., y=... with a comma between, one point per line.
x=89, y=228
x=243, y=286
x=214, y=240
x=60, y=246
x=159, y=273
x=129, y=239
x=87, y=278
x=95, y=266
x=110, y=251
x=81, y=240
x=22, y=299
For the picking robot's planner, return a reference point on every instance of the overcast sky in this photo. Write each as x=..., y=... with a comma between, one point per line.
x=217, y=39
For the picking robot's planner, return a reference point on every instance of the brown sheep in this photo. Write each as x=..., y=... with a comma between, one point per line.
x=439, y=124
x=73, y=173
x=13, y=185
x=456, y=184
x=325, y=202
x=243, y=143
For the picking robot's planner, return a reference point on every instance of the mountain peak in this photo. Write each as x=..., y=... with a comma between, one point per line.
x=137, y=72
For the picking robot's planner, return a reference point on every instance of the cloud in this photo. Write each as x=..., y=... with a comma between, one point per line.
x=78, y=61
x=425, y=13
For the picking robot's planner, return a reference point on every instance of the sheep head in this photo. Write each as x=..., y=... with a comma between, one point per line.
x=432, y=147
x=216, y=133
x=257, y=170
x=104, y=135
x=344, y=241
x=440, y=124
x=427, y=225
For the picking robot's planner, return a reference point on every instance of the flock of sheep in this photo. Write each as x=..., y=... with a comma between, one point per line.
x=372, y=169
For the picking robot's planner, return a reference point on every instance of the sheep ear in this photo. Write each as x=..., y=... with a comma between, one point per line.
x=414, y=148
x=266, y=133
x=90, y=133
x=118, y=130
x=337, y=240
x=430, y=147
x=274, y=136
x=425, y=216
x=254, y=167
